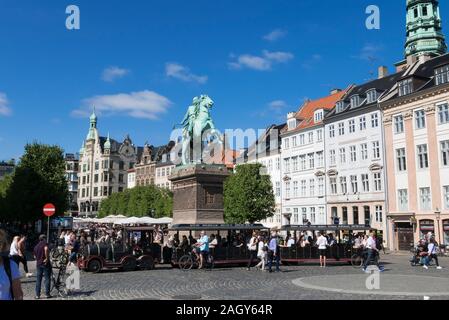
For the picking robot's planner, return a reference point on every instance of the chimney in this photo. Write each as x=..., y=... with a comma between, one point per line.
x=334, y=91
x=383, y=72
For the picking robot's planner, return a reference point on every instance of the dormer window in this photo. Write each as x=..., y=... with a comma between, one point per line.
x=291, y=124
x=371, y=96
x=405, y=87
x=355, y=101
x=340, y=106
x=318, y=116
x=442, y=75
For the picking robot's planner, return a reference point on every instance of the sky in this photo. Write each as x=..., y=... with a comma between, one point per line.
x=140, y=63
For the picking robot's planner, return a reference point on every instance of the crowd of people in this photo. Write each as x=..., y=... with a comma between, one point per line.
x=426, y=250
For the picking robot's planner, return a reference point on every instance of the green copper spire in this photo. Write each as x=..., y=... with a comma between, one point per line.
x=93, y=126
x=424, y=32
x=82, y=148
x=107, y=144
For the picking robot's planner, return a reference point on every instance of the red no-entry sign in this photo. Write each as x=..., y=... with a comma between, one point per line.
x=49, y=209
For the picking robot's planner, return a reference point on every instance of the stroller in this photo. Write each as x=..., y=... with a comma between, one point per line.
x=419, y=255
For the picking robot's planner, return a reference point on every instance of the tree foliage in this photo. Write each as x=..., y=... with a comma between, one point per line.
x=38, y=179
x=139, y=202
x=248, y=195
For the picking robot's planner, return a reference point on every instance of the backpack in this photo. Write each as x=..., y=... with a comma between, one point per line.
x=7, y=266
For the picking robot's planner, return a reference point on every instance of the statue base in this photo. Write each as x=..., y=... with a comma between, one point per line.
x=198, y=193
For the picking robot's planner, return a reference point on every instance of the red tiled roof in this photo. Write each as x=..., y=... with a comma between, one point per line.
x=305, y=114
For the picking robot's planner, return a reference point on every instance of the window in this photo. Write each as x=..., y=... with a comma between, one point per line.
x=423, y=159
x=331, y=131
x=332, y=159
x=398, y=124
x=424, y=198
x=401, y=159
x=354, y=184
x=287, y=190
x=342, y=155
x=376, y=150
x=295, y=215
x=362, y=123
x=341, y=128
x=355, y=214
x=403, y=199
x=84, y=167
x=84, y=180
x=302, y=140
x=420, y=119
x=278, y=163
x=311, y=160
x=343, y=185
x=311, y=137
x=294, y=142
x=445, y=152
x=287, y=165
x=333, y=183
x=351, y=126
x=318, y=115
x=291, y=124
x=345, y=215
x=443, y=113
x=278, y=189
x=442, y=75
x=312, y=187
x=320, y=159
x=95, y=178
x=286, y=143
x=320, y=186
x=377, y=182
x=304, y=215
x=312, y=215
x=446, y=196
x=295, y=188
x=302, y=161
x=379, y=215
x=120, y=178
x=365, y=182
x=319, y=135
x=95, y=192
x=340, y=106
x=353, y=153
x=321, y=214
x=424, y=10
x=97, y=165
x=405, y=87
x=371, y=96
x=303, y=188
x=295, y=164
x=364, y=151
x=355, y=101
x=83, y=193
x=374, y=120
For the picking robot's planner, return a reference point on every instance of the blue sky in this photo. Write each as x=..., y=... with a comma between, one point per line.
x=141, y=63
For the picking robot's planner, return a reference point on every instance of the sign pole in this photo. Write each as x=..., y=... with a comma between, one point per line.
x=48, y=229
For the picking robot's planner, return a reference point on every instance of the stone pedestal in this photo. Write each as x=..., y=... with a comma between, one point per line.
x=198, y=193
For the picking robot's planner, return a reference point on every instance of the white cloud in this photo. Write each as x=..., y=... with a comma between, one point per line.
x=143, y=104
x=260, y=63
x=113, y=73
x=275, y=35
x=5, y=110
x=180, y=72
x=277, y=105
x=369, y=52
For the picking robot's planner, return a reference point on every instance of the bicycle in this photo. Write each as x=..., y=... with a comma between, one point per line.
x=59, y=257
x=58, y=282
x=358, y=259
x=191, y=260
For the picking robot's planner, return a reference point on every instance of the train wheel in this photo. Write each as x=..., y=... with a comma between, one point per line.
x=185, y=262
x=356, y=261
x=94, y=266
x=129, y=264
x=146, y=263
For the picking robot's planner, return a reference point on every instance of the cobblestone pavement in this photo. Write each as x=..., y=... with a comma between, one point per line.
x=165, y=283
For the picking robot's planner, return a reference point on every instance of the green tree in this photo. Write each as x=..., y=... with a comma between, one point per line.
x=248, y=195
x=139, y=202
x=38, y=179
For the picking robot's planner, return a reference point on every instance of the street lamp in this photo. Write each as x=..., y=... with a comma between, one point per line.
x=438, y=216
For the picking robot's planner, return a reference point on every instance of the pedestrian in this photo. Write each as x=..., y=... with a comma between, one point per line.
x=372, y=250
x=322, y=248
x=261, y=253
x=10, y=285
x=273, y=252
x=17, y=253
x=203, y=244
x=252, y=246
x=432, y=254
x=43, y=266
